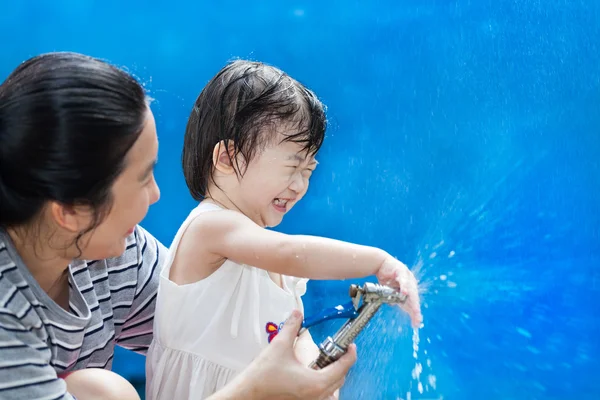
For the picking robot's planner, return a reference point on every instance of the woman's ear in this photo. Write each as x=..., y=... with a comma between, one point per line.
x=223, y=156
x=71, y=218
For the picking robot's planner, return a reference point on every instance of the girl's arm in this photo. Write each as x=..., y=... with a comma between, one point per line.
x=227, y=234
x=231, y=235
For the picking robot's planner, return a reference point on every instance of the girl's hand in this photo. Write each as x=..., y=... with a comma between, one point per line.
x=395, y=274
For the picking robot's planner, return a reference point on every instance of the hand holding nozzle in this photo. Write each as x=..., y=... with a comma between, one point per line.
x=372, y=293
x=366, y=301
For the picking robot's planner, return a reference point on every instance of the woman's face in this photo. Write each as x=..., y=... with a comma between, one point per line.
x=133, y=192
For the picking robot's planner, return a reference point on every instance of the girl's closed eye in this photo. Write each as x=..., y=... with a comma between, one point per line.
x=291, y=169
x=307, y=172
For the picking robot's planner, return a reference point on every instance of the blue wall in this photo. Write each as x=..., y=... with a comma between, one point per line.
x=464, y=138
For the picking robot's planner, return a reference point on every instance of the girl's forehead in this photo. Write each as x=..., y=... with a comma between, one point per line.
x=301, y=157
x=290, y=151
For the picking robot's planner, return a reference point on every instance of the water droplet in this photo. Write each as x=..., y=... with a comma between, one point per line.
x=451, y=284
x=451, y=254
x=416, y=372
x=443, y=277
x=432, y=255
x=432, y=381
x=524, y=332
x=533, y=350
x=520, y=367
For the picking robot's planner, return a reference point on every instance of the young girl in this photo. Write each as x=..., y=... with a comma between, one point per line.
x=249, y=152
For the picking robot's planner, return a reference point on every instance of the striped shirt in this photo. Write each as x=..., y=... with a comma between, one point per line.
x=110, y=302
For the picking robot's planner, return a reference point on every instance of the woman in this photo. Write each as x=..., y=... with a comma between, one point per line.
x=78, y=146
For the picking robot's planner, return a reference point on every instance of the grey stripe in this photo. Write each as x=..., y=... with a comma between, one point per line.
x=113, y=302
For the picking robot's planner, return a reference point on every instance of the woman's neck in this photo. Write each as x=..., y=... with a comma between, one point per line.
x=47, y=264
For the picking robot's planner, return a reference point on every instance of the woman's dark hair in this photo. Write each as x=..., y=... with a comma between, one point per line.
x=66, y=123
x=242, y=105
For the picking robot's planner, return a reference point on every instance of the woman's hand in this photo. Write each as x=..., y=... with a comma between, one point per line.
x=277, y=374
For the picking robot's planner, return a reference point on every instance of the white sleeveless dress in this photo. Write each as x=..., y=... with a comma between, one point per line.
x=206, y=332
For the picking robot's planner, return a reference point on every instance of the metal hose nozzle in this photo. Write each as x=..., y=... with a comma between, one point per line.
x=372, y=296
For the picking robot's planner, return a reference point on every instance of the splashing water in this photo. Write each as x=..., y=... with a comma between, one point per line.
x=482, y=280
x=447, y=271
x=417, y=371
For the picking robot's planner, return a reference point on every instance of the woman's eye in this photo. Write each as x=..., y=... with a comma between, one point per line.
x=149, y=180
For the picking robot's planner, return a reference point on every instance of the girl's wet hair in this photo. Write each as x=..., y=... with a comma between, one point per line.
x=67, y=122
x=243, y=105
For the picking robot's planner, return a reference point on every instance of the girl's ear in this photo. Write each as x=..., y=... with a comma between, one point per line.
x=223, y=156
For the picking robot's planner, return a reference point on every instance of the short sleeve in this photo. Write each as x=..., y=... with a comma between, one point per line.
x=136, y=332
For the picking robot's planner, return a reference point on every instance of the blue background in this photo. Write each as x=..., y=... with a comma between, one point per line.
x=463, y=140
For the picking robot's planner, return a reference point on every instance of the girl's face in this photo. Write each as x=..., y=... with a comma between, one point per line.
x=274, y=181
